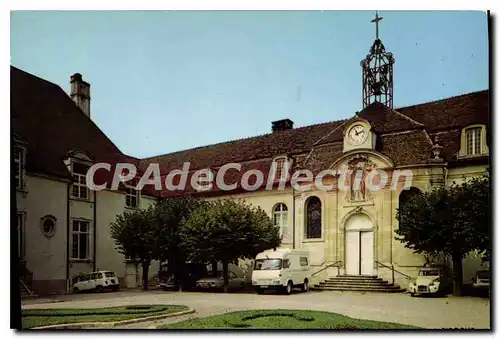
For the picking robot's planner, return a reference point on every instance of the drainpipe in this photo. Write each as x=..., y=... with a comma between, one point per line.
x=95, y=230
x=68, y=222
x=293, y=217
x=392, y=236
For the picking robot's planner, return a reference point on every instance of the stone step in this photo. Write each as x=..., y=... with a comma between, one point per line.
x=354, y=284
x=360, y=289
x=356, y=277
x=347, y=281
x=360, y=286
x=357, y=283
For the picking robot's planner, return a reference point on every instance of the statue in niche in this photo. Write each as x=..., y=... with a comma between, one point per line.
x=359, y=166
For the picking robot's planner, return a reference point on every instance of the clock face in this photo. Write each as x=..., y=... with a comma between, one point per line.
x=357, y=134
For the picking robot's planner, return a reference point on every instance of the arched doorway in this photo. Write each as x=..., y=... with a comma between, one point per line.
x=359, y=245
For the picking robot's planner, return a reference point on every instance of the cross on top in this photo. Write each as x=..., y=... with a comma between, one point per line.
x=376, y=20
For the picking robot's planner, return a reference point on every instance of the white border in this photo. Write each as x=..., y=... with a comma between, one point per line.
x=178, y=5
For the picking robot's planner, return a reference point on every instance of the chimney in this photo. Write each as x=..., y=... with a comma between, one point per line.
x=80, y=93
x=282, y=125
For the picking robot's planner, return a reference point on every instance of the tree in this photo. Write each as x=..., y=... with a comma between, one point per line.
x=228, y=230
x=168, y=217
x=136, y=237
x=449, y=219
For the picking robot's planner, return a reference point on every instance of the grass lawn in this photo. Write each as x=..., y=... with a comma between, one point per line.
x=44, y=317
x=283, y=319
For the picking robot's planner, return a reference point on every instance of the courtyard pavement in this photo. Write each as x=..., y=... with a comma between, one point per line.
x=448, y=312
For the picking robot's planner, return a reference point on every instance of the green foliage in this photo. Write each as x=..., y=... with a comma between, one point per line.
x=135, y=234
x=453, y=219
x=44, y=317
x=169, y=216
x=227, y=230
x=283, y=319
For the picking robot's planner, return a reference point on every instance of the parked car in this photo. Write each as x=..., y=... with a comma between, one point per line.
x=96, y=281
x=430, y=281
x=481, y=281
x=282, y=270
x=217, y=282
x=193, y=273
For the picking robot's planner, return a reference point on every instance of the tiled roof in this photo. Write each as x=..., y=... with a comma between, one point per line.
x=458, y=111
x=270, y=145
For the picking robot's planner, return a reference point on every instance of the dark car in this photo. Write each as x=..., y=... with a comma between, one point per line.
x=192, y=273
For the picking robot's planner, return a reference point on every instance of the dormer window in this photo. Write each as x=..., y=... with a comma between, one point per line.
x=473, y=141
x=473, y=137
x=19, y=167
x=279, y=165
x=132, y=196
x=79, y=173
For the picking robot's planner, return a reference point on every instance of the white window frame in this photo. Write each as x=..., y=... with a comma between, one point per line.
x=280, y=219
x=475, y=141
x=79, y=181
x=88, y=233
x=131, y=192
x=19, y=162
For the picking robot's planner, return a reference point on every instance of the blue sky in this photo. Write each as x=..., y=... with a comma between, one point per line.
x=166, y=81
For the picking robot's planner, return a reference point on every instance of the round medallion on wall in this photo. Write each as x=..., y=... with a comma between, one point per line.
x=48, y=225
x=357, y=135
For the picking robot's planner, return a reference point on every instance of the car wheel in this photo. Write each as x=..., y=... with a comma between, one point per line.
x=288, y=288
x=305, y=286
x=76, y=290
x=99, y=289
x=260, y=291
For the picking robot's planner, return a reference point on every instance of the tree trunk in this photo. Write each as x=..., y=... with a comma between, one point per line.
x=180, y=270
x=225, y=275
x=214, y=267
x=457, y=274
x=137, y=282
x=145, y=275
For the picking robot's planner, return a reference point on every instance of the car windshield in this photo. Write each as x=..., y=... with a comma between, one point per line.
x=483, y=275
x=428, y=273
x=109, y=274
x=267, y=264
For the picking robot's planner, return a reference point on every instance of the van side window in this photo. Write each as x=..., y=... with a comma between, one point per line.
x=86, y=277
x=286, y=263
x=303, y=261
x=93, y=276
x=99, y=276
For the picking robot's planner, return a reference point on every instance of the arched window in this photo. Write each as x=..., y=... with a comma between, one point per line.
x=280, y=218
x=406, y=195
x=313, y=218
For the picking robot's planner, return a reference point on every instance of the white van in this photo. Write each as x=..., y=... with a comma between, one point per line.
x=281, y=269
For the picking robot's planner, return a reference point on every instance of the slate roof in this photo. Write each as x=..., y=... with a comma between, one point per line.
x=51, y=124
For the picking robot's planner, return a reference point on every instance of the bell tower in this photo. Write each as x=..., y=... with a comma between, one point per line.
x=378, y=72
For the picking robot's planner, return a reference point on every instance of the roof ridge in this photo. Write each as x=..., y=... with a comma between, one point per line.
x=444, y=99
x=34, y=76
x=240, y=139
x=408, y=118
